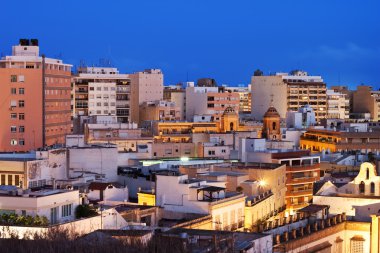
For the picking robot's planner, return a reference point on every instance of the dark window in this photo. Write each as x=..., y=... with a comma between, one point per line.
x=21, y=103
x=21, y=129
x=274, y=126
x=21, y=91
x=13, y=91
x=361, y=187
x=367, y=174
x=372, y=187
x=21, y=116
x=13, y=78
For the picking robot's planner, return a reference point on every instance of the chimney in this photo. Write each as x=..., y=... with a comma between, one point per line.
x=294, y=233
x=308, y=229
x=301, y=231
x=278, y=239
x=322, y=224
x=344, y=217
x=315, y=226
x=286, y=236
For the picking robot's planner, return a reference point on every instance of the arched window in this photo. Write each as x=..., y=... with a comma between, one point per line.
x=367, y=174
x=274, y=125
x=361, y=187
x=231, y=126
x=372, y=188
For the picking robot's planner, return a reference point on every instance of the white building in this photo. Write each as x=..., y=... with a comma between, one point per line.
x=359, y=198
x=199, y=196
x=303, y=118
x=337, y=105
x=56, y=205
x=98, y=191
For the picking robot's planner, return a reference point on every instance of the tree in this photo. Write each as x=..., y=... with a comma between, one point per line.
x=83, y=211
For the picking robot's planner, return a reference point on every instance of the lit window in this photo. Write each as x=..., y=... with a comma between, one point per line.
x=13, y=142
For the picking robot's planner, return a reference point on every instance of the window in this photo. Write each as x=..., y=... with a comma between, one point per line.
x=53, y=215
x=66, y=210
x=10, y=179
x=13, y=91
x=13, y=129
x=17, y=180
x=211, y=152
x=21, y=78
x=13, y=115
x=21, y=116
x=13, y=142
x=13, y=78
x=91, y=88
x=99, y=88
x=361, y=187
x=21, y=129
x=372, y=188
x=21, y=91
x=21, y=142
x=357, y=244
x=2, y=179
x=21, y=103
x=367, y=174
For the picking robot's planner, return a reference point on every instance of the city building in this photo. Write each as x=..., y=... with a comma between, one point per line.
x=101, y=91
x=147, y=85
x=365, y=100
x=338, y=105
x=200, y=196
x=177, y=94
x=245, y=97
x=288, y=92
x=56, y=205
x=330, y=140
x=35, y=109
x=159, y=111
x=209, y=100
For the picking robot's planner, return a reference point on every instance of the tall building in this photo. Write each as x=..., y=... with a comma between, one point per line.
x=338, y=105
x=35, y=99
x=365, y=100
x=101, y=91
x=289, y=92
x=146, y=86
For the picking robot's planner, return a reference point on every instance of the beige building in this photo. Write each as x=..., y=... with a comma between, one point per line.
x=288, y=92
x=245, y=97
x=177, y=95
x=147, y=85
x=159, y=111
x=338, y=105
x=365, y=100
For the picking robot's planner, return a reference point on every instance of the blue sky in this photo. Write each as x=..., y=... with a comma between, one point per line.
x=226, y=40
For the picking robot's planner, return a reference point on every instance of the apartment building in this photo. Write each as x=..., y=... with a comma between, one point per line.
x=338, y=105
x=318, y=140
x=245, y=97
x=288, y=92
x=101, y=91
x=159, y=111
x=365, y=100
x=147, y=85
x=209, y=100
x=35, y=106
x=177, y=94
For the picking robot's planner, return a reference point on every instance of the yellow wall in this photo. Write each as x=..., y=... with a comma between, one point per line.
x=146, y=199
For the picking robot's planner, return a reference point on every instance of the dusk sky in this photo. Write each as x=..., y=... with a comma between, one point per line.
x=225, y=40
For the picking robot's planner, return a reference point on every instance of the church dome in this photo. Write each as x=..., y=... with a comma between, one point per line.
x=271, y=112
x=229, y=111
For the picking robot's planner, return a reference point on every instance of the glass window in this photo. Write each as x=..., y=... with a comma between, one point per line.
x=21, y=103
x=22, y=142
x=21, y=129
x=13, y=78
x=13, y=91
x=13, y=142
x=21, y=91
x=21, y=78
x=21, y=116
x=13, y=129
x=13, y=115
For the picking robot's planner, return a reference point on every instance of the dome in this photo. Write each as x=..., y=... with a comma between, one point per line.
x=229, y=111
x=271, y=112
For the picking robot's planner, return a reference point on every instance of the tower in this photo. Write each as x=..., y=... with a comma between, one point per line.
x=271, y=126
x=229, y=120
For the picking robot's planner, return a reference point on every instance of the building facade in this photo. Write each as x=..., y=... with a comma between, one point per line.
x=36, y=107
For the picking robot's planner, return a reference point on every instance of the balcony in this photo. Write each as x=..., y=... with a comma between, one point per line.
x=302, y=168
x=302, y=180
x=307, y=192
